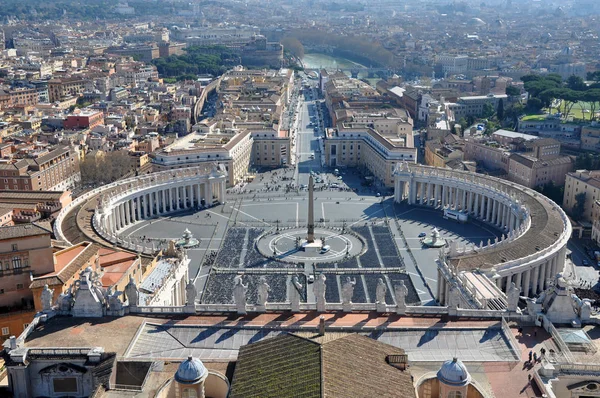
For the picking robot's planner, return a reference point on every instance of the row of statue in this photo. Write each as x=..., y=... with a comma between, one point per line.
x=240, y=291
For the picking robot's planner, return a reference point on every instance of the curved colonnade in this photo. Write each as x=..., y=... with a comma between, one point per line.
x=123, y=203
x=535, y=229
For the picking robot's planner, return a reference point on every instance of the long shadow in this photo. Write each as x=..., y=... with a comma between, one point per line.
x=489, y=334
x=205, y=334
x=228, y=334
x=429, y=335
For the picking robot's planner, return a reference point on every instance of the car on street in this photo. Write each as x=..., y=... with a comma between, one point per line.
x=422, y=235
x=585, y=263
x=378, y=194
x=325, y=249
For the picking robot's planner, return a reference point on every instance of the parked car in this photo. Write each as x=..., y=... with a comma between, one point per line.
x=422, y=235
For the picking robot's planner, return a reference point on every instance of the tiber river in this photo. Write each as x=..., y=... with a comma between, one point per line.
x=331, y=63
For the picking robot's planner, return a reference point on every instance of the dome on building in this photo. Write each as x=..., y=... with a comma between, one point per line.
x=454, y=373
x=191, y=371
x=476, y=22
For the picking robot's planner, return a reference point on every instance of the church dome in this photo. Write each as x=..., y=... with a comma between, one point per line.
x=191, y=371
x=454, y=373
x=476, y=22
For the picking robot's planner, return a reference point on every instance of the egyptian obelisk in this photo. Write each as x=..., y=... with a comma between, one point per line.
x=310, y=237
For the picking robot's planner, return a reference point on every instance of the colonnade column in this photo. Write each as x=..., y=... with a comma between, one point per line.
x=489, y=206
x=518, y=281
x=197, y=195
x=429, y=189
x=222, y=192
x=209, y=194
x=482, y=207
x=494, y=211
x=444, y=195
x=177, y=203
x=534, y=282
x=526, y=282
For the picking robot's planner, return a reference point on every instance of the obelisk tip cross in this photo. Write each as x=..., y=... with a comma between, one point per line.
x=310, y=238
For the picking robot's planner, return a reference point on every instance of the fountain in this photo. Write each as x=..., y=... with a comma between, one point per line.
x=187, y=240
x=434, y=240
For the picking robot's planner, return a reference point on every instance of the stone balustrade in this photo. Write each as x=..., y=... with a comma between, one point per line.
x=125, y=202
x=532, y=249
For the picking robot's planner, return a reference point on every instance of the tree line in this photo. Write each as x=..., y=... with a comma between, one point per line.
x=545, y=90
x=213, y=60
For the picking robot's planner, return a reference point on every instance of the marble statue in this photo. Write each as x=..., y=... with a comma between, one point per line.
x=400, y=292
x=380, y=291
x=131, y=291
x=295, y=289
x=114, y=300
x=319, y=291
x=65, y=301
x=46, y=298
x=239, y=294
x=513, y=297
x=347, y=293
x=263, y=291
x=190, y=293
x=454, y=297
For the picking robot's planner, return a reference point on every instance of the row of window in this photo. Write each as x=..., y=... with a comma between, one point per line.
x=20, y=286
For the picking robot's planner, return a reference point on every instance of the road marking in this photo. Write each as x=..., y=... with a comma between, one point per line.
x=431, y=279
x=257, y=219
x=144, y=225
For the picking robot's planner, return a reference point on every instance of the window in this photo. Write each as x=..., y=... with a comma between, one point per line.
x=64, y=384
x=15, y=247
x=455, y=394
x=16, y=262
x=189, y=393
x=25, y=325
x=20, y=286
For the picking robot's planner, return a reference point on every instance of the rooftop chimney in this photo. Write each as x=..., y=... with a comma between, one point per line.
x=13, y=343
x=321, y=325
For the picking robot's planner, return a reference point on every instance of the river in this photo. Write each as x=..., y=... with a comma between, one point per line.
x=331, y=63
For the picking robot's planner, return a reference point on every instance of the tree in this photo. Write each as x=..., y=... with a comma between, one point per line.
x=534, y=104
x=488, y=111
x=552, y=191
x=579, y=207
x=293, y=46
x=500, y=111
x=513, y=91
x=594, y=76
x=106, y=168
x=576, y=83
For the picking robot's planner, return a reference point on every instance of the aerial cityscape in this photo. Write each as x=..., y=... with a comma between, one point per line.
x=309, y=198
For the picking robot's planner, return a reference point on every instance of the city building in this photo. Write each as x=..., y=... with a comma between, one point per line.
x=56, y=170
x=578, y=182
x=83, y=119
x=590, y=138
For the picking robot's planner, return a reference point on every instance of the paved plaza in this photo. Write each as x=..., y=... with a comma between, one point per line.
x=255, y=233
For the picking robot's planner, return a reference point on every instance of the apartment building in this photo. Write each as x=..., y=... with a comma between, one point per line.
x=18, y=97
x=590, y=138
x=580, y=181
x=533, y=172
x=66, y=87
x=362, y=146
x=443, y=151
x=57, y=170
x=232, y=148
x=83, y=119
x=24, y=250
x=474, y=105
